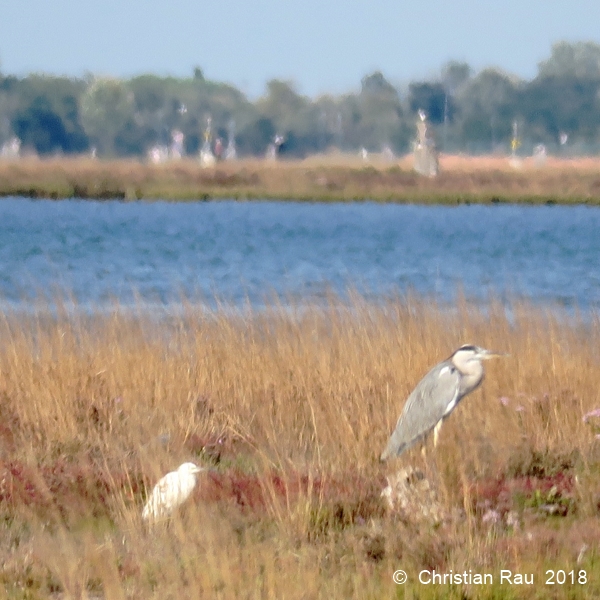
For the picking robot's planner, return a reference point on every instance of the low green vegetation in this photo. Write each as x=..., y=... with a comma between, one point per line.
x=461, y=181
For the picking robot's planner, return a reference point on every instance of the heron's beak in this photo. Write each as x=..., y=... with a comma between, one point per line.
x=487, y=354
x=199, y=469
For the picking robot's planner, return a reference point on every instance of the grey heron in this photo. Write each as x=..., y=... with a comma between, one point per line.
x=436, y=396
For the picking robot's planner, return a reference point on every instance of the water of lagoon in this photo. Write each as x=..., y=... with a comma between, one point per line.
x=158, y=252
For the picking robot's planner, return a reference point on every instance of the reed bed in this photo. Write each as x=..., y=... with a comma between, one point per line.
x=290, y=406
x=320, y=178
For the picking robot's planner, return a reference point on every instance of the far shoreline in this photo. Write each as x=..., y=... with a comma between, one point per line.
x=325, y=178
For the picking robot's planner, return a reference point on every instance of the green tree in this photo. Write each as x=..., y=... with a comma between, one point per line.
x=434, y=99
x=580, y=60
x=283, y=105
x=256, y=136
x=294, y=116
x=9, y=105
x=46, y=114
x=377, y=85
x=106, y=107
x=488, y=106
x=567, y=103
x=455, y=75
x=39, y=127
x=378, y=115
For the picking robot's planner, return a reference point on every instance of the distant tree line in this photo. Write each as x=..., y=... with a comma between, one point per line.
x=471, y=112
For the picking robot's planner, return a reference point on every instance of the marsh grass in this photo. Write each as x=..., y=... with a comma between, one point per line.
x=321, y=178
x=290, y=406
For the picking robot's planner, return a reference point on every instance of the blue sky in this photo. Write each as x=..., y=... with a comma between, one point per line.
x=323, y=46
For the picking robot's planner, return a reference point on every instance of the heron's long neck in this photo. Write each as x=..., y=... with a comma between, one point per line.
x=472, y=375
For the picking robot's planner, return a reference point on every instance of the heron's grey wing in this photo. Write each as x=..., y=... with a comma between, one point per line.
x=433, y=398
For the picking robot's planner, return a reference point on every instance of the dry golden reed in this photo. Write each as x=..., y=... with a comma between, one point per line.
x=290, y=406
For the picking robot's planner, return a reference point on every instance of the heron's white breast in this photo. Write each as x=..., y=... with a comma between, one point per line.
x=452, y=404
x=450, y=370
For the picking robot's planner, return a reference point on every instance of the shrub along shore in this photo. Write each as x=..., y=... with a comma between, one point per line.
x=328, y=178
x=291, y=407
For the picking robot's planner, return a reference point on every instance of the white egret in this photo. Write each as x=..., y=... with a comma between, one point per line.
x=171, y=492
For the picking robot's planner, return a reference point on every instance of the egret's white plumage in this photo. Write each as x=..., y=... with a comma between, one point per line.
x=171, y=491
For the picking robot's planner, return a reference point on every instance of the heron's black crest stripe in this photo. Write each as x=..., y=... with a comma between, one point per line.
x=469, y=347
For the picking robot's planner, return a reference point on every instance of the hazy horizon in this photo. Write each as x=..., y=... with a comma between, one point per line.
x=323, y=47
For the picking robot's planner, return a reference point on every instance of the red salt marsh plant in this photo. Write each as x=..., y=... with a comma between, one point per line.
x=290, y=406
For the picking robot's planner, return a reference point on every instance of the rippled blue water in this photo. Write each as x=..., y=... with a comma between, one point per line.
x=160, y=251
